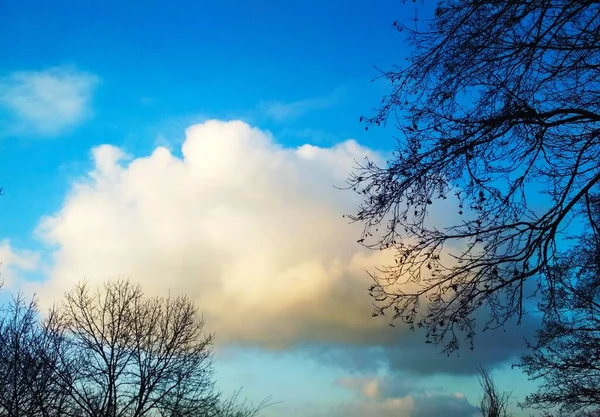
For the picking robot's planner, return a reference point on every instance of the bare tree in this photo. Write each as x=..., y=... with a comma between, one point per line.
x=17, y=332
x=497, y=107
x=27, y=364
x=234, y=407
x=566, y=356
x=110, y=352
x=127, y=355
x=494, y=403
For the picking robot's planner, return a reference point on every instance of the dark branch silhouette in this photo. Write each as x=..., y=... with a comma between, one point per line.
x=28, y=362
x=125, y=354
x=566, y=355
x=494, y=403
x=110, y=352
x=498, y=109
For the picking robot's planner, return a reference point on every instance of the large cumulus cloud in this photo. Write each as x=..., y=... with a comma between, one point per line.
x=253, y=232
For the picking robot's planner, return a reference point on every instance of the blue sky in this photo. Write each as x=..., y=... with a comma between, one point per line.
x=104, y=176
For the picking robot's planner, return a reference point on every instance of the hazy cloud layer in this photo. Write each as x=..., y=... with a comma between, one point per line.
x=253, y=231
x=47, y=102
x=408, y=353
x=394, y=397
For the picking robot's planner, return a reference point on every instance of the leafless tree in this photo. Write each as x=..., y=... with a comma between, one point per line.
x=498, y=108
x=27, y=364
x=112, y=352
x=16, y=331
x=235, y=407
x=127, y=355
x=566, y=356
x=494, y=403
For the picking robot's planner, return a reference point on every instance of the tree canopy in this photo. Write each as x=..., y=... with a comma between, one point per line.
x=110, y=352
x=127, y=355
x=497, y=108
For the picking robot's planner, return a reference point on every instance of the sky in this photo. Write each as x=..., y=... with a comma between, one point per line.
x=195, y=148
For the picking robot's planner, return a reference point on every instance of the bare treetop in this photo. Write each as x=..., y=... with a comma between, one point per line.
x=127, y=355
x=112, y=352
x=498, y=107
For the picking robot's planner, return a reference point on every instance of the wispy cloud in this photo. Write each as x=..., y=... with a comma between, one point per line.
x=281, y=111
x=46, y=103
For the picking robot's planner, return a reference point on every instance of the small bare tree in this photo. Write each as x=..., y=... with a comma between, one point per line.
x=16, y=332
x=27, y=363
x=127, y=355
x=494, y=402
x=235, y=407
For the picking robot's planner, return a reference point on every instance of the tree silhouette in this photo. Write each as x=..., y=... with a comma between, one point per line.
x=112, y=352
x=494, y=403
x=566, y=355
x=28, y=360
x=498, y=109
x=128, y=355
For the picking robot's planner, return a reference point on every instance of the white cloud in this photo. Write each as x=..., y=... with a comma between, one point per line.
x=47, y=102
x=13, y=263
x=253, y=231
